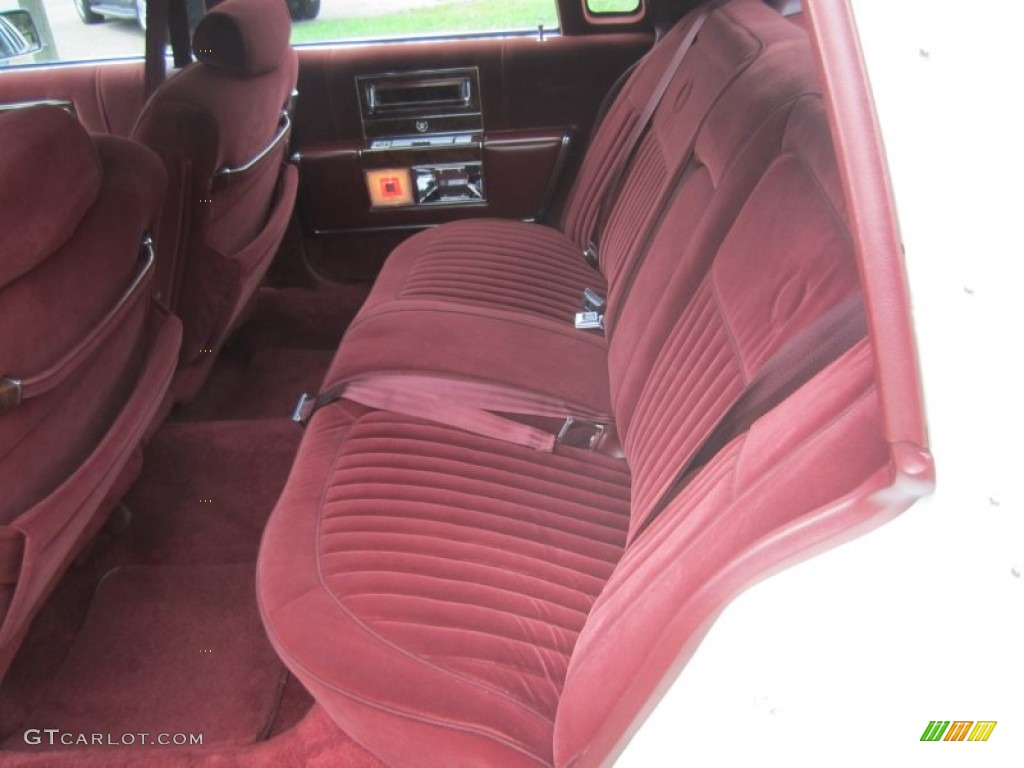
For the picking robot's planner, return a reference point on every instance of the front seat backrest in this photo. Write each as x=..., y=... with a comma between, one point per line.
x=221, y=127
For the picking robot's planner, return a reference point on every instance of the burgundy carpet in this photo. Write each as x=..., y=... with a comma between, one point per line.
x=168, y=649
x=157, y=630
x=206, y=491
x=264, y=385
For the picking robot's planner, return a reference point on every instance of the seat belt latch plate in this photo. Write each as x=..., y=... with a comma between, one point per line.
x=304, y=409
x=592, y=301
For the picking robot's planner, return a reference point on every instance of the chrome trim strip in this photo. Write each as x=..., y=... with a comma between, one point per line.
x=286, y=126
x=10, y=394
x=64, y=104
x=53, y=376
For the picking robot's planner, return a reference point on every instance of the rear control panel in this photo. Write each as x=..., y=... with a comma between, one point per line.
x=424, y=138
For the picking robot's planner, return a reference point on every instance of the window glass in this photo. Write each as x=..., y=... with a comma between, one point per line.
x=354, y=19
x=603, y=7
x=75, y=30
x=83, y=30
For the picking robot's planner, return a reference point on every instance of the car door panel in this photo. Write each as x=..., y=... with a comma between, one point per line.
x=520, y=168
x=107, y=97
x=537, y=100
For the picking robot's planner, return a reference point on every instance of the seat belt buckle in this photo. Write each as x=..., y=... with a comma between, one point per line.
x=304, y=409
x=592, y=301
x=589, y=321
x=581, y=433
x=590, y=253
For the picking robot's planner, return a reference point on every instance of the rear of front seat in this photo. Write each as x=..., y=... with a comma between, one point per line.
x=221, y=126
x=86, y=356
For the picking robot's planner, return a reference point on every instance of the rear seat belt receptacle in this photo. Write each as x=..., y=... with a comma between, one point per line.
x=589, y=321
x=597, y=436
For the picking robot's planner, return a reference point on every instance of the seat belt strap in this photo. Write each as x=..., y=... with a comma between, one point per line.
x=794, y=364
x=640, y=127
x=442, y=401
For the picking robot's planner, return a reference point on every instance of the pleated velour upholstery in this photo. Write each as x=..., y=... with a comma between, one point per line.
x=453, y=600
x=815, y=448
x=528, y=267
x=468, y=566
x=682, y=403
x=772, y=277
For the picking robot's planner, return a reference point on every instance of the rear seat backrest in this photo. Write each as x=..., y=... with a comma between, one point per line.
x=732, y=38
x=720, y=53
x=786, y=260
x=738, y=139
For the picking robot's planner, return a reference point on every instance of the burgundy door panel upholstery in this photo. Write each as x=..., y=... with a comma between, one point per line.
x=455, y=599
x=107, y=97
x=533, y=95
x=221, y=129
x=520, y=170
x=524, y=84
x=93, y=372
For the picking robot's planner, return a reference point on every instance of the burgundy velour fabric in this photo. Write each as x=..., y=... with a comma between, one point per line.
x=820, y=454
x=427, y=585
x=243, y=37
x=64, y=452
x=421, y=580
x=51, y=176
x=478, y=289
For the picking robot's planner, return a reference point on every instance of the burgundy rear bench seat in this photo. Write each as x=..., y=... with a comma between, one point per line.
x=477, y=289
x=453, y=599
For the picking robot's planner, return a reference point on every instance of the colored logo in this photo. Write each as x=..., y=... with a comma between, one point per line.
x=958, y=730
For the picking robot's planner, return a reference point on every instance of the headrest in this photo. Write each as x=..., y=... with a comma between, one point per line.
x=51, y=176
x=245, y=38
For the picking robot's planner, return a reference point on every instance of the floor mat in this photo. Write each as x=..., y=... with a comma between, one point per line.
x=206, y=491
x=167, y=649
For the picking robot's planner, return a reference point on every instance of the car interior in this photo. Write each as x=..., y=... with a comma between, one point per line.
x=422, y=402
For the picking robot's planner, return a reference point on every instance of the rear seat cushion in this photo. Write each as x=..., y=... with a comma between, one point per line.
x=51, y=176
x=437, y=308
x=785, y=488
x=432, y=580
x=490, y=264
